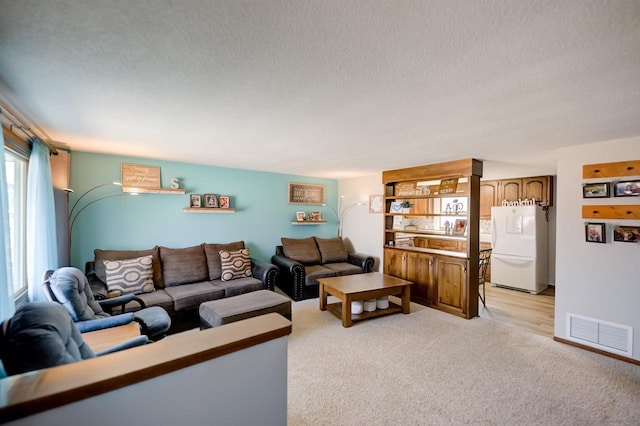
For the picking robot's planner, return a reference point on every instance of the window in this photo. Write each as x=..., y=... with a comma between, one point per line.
x=16, y=168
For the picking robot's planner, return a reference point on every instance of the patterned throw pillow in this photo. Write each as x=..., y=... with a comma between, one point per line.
x=235, y=264
x=129, y=276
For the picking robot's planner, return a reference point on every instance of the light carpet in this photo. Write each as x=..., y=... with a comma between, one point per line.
x=431, y=368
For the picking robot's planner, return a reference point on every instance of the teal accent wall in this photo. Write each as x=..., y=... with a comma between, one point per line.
x=262, y=215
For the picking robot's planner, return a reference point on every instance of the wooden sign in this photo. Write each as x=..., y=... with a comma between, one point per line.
x=306, y=193
x=139, y=176
x=448, y=186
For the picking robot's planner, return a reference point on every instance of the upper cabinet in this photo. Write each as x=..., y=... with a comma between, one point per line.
x=493, y=192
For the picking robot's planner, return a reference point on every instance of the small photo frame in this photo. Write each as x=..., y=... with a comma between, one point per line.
x=211, y=201
x=195, y=201
x=459, y=227
x=627, y=188
x=316, y=216
x=224, y=202
x=595, y=232
x=596, y=190
x=300, y=216
x=626, y=234
x=376, y=203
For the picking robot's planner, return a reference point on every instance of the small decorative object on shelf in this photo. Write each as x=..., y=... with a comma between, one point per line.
x=300, y=216
x=195, y=201
x=224, y=202
x=211, y=200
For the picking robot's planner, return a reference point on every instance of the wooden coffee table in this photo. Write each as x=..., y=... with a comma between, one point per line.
x=371, y=285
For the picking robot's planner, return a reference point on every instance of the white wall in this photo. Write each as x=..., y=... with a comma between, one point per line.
x=363, y=230
x=600, y=281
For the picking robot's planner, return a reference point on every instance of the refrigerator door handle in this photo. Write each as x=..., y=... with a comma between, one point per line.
x=493, y=232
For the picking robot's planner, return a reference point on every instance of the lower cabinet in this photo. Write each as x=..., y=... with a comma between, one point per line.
x=438, y=281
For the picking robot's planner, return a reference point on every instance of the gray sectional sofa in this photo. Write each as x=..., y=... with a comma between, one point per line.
x=183, y=278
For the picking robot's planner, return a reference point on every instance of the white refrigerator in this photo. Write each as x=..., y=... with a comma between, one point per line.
x=520, y=239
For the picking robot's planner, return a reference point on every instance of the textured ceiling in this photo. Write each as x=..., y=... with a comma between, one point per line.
x=328, y=88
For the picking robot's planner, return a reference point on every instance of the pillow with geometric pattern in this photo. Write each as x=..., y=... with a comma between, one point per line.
x=235, y=264
x=129, y=276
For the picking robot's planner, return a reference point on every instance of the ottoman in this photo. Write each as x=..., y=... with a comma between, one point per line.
x=243, y=306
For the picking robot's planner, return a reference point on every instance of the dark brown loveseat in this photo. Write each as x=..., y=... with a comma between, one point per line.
x=183, y=278
x=303, y=261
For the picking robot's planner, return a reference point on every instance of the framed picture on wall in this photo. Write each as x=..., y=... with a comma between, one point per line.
x=459, y=227
x=628, y=188
x=224, y=202
x=626, y=234
x=595, y=232
x=300, y=216
x=596, y=190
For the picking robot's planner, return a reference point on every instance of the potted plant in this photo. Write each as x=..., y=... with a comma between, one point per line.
x=406, y=206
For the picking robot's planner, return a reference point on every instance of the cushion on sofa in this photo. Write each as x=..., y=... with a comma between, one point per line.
x=332, y=250
x=235, y=264
x=239, y=286
x=183, y=266
x=303, y=250
x=102, y=255
x=129, y=276
x=313, y=272
x=187, y=296
x=156, y=298
x=344, y=268
x=212, y=253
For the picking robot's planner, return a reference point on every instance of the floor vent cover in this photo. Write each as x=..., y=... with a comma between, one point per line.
x=600, y=334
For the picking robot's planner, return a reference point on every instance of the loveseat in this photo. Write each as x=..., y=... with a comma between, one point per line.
x=302, y=261
x=180, y=278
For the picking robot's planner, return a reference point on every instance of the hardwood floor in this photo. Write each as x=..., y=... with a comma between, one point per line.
x=533, y=312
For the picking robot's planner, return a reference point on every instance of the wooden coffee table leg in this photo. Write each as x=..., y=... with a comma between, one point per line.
x=323, y=297
x=346, y=311
x=406, y=299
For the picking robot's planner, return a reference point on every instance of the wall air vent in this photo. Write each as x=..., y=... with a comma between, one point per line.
x=599, y=334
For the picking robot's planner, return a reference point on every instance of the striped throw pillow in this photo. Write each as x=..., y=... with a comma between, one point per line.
x=235, y=264
x=129, y=276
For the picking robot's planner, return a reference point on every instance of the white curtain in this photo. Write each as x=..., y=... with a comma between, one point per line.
x=42, y=251
x=7, y=304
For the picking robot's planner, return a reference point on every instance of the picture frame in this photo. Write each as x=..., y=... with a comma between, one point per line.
x=306, y=193
x=627, y=188
x=595, y=232
x=195, y=201
x=225, y=202
x=211, y=201
x=596, y=190
x=300, y=216
x=459, y=227
x=316, y=216
x=376, y=203
x=626, y=234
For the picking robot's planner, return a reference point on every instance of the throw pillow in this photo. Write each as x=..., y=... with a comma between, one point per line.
x=129, y=276
x=303, y=250
x=332, y=250
x=235, y=264
x=212, y=252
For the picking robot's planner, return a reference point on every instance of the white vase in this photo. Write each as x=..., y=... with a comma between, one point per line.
x=356, y=307
x=370, y=305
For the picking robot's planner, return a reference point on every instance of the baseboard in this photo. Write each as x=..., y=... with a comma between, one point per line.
x=598, y=351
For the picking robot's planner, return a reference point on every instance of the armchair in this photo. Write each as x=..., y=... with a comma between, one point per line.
x=42, y=335
x=70, y=287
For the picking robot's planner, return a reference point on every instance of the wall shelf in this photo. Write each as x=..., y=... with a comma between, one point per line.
x=137, y=190
x=630, y=212
x=308, y=222
x=207, y=210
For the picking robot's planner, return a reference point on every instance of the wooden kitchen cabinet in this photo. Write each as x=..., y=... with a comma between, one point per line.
x=488, y=197
x=414, y=267
x=510, y=190
x=451, y=276
x=538, y=188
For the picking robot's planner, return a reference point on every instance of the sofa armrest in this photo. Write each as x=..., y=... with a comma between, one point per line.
x=265, y=272
x=102, y=323
x=292, y=275
x=362, y=260
x=99, y=288
x=110, y=303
